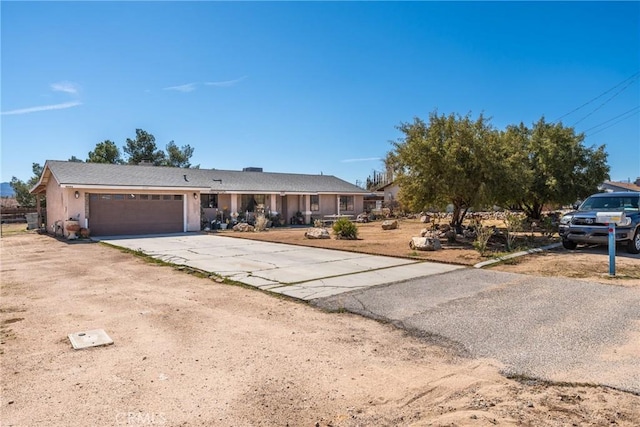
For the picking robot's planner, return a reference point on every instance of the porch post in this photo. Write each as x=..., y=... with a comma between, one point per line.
x=273, y=203
x=39, y=210
x=307, y=208
x=234, y=203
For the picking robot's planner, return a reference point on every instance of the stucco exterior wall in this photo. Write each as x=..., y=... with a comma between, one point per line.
x=329, y=205
x=63, y=205
x=192, y=212
x=358, y=204
x=55, y=205
x=391, y=192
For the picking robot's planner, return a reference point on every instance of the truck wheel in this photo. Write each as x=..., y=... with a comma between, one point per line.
x=633, y=247
x=568, y=244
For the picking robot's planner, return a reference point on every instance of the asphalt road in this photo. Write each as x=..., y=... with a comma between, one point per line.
x=546, y=328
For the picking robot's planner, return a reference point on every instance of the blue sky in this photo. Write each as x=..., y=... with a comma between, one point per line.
x=308, y=87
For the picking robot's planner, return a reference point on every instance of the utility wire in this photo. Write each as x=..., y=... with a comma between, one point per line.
x=613, y=118
x=604, y=103
x=634, y=76
x=614, y=123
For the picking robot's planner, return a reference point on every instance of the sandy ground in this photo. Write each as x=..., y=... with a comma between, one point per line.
x=190, y=351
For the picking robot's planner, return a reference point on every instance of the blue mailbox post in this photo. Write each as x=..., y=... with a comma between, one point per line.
x=611, y=219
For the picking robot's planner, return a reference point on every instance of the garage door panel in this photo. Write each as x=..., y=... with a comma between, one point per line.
x=134, y=215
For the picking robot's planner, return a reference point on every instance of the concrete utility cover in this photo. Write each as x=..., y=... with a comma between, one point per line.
x=93, y=338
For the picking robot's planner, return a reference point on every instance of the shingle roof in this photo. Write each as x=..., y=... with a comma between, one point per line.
x=92, y=174
x=621, y=186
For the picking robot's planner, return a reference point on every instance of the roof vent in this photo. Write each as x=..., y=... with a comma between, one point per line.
x=252, y=169
x=185, y=177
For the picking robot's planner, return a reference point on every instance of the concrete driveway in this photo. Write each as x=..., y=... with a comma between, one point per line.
x=296, y=271
x=548, y=328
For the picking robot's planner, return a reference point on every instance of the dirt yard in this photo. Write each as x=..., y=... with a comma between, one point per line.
x=190, y=351
x=589, y=263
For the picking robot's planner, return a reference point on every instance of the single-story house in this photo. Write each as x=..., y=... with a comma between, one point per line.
x=609, y=186
x=142, y=199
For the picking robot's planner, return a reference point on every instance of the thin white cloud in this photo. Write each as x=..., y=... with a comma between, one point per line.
x=189, y=87
x=67, y=87
x=226, y=83
x=366, y=159
x=42, y=108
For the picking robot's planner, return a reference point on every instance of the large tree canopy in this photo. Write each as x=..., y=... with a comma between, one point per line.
x=455, y=160
x=178, y=157
x=450, y=160
x=143, y=149
x=21, y=188
x=105, y=152
x=554, y=166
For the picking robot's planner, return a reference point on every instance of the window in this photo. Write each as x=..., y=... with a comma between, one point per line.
x=315, y=203
x=250, y=201
x=208, y=201
x=155, y=197
x=177, y=197
x=144, y=197
x=167, y=197
x=118, y=197
x=346, y=203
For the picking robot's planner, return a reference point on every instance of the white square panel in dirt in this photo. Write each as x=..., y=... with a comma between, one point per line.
x=93, y=338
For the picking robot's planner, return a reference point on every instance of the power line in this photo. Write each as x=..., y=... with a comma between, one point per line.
x=634, y=76
x=614, y=123
x=604, y=103
x=613, y=118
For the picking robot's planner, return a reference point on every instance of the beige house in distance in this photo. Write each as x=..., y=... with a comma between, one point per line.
x=140, y=199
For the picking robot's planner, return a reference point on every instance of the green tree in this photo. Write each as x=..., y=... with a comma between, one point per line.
x=449, y=160
x=75, y=159
x=555, y=167
x=21, y=188
x=105, y=152
x=143, y=149
x=178, y=157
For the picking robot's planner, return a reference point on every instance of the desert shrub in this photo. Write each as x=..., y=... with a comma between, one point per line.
x=549, y=226
x=345, y=229
x=483, y=234
x=514, y=223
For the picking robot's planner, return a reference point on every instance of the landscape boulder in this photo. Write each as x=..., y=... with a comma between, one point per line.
x=389, y=224
x=243, y=226
x=363, y=217
x=425, y=244
x=317, y=233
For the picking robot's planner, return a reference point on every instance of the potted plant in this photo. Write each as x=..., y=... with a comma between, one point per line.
x=72, y=226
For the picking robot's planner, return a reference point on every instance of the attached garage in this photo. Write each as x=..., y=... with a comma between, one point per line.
x=127, y=214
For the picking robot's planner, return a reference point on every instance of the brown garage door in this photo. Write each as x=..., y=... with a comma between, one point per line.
x=115, y=214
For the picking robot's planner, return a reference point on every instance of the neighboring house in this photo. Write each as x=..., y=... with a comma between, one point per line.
x=138, y=199
x=390, y=191
x=610, y=186
x=384, y=188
